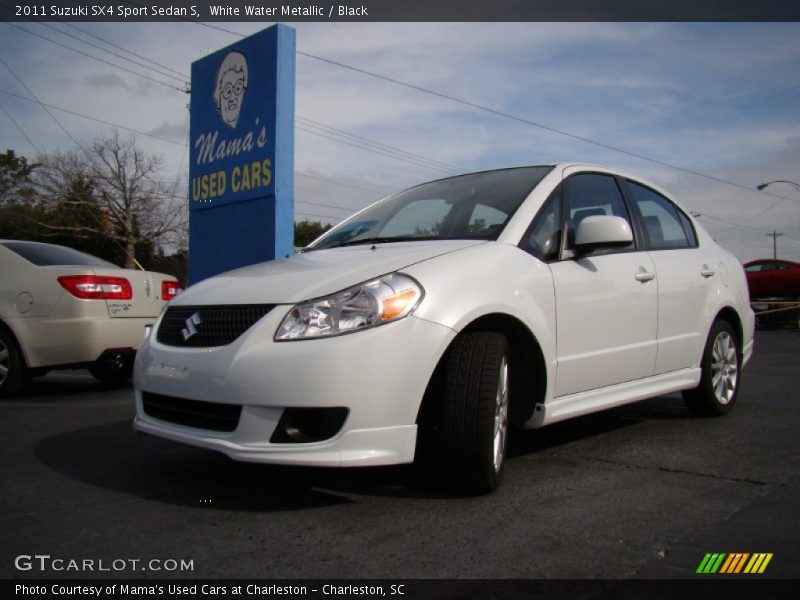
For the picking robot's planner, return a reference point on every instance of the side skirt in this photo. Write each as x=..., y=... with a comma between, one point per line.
x=583, y=403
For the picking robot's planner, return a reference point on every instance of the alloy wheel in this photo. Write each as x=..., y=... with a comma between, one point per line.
x=724, y=367
x=5, y=362
x=501, y=416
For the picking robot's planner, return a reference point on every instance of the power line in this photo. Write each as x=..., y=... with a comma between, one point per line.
x=318, y=216
x=731, y=223
x=105, y=41
x=765, y=210
x=523, y=120
x=111, y=123
x=349, y=135
x=77, y=114
x=335, y=182
x=326, y=179
x=39, y=102
x=150, y=135
x=349, y=211
x=52, y=116
x=740, y=226
x=97, y=58
x=125, y=58
x=355, y=187
x=18, y=126
x=411, y=161
x=331, y=132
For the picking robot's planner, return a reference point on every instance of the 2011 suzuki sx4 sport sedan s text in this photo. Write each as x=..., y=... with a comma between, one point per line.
x=443, y=316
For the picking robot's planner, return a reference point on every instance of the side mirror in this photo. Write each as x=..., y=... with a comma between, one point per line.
x=602, y=231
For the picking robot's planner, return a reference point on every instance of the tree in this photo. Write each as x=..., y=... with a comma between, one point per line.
x=19, y=218
x=306, y=231
x=111, y=189
x=15, y=180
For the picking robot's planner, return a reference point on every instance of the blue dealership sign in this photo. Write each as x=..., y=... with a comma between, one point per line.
x=241, y=189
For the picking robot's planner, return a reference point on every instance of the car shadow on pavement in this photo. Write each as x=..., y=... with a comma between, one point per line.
x=59, y=384
x=111, y=457
x=530, y=441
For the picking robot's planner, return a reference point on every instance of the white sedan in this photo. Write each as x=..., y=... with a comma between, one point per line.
x=61, y=308
x=439, y=318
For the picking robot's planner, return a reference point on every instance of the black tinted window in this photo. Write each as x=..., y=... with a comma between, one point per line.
x=45, y=255
x=661, y=221
x=593, y=194
x=543, y=239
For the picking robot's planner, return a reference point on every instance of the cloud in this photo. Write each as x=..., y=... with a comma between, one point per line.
x=172, y=131
x=106, y=81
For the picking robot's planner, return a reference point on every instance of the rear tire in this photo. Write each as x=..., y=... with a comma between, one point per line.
x=12, y=367
x=474, y=420
x=721, y=376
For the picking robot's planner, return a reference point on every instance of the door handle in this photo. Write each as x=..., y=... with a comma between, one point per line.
x=644, y=275
x=707, y=271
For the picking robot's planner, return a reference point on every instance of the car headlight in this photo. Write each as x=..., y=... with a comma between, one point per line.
x=375, y=302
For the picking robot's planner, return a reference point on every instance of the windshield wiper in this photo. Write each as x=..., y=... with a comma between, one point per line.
x=385, y=240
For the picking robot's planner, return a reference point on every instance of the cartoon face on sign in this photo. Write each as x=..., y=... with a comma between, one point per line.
x=230, y=88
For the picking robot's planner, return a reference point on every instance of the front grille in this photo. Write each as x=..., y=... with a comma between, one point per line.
x=208, y=326
x=192, y=413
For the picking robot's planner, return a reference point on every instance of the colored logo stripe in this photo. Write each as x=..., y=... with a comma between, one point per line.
x=711, y=563
x=733, y=563
x=758, y=563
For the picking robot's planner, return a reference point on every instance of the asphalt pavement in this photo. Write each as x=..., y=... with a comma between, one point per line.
x=642, y=491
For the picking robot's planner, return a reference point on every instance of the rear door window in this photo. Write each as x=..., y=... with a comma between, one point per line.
x=662, y=220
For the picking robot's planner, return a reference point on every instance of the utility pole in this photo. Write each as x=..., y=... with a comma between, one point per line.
x=774, y=235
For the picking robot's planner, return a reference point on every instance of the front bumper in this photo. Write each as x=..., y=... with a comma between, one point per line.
x=379, y=375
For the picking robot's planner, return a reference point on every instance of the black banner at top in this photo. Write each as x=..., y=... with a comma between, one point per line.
x=399, y=10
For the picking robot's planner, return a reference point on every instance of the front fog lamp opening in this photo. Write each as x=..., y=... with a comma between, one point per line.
x=308, y=425
x=362, y=306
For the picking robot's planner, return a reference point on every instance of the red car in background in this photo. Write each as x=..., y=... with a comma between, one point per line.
x=773, y=278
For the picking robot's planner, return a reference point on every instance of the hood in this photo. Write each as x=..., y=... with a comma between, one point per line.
x=314, y=274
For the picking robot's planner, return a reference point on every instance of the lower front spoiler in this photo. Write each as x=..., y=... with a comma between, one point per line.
x=353, y=448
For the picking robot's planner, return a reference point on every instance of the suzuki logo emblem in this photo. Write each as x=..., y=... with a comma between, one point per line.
x=191, y=328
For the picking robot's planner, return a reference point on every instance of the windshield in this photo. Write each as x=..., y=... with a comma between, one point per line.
x=473, y=206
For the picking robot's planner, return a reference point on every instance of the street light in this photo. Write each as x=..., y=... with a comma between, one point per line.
x=763, y=185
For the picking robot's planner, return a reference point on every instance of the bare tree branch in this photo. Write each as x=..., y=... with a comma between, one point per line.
x=126, y=201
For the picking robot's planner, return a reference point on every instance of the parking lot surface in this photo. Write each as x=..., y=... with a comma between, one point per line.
x=640, y=491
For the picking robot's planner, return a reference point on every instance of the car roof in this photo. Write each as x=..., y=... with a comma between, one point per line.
x=560, y=166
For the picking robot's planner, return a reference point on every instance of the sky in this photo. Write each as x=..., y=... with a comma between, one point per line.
x=718, y=99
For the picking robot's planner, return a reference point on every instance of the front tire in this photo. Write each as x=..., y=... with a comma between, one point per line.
x=474, y=421
x=12, y=367
x=719, y=383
